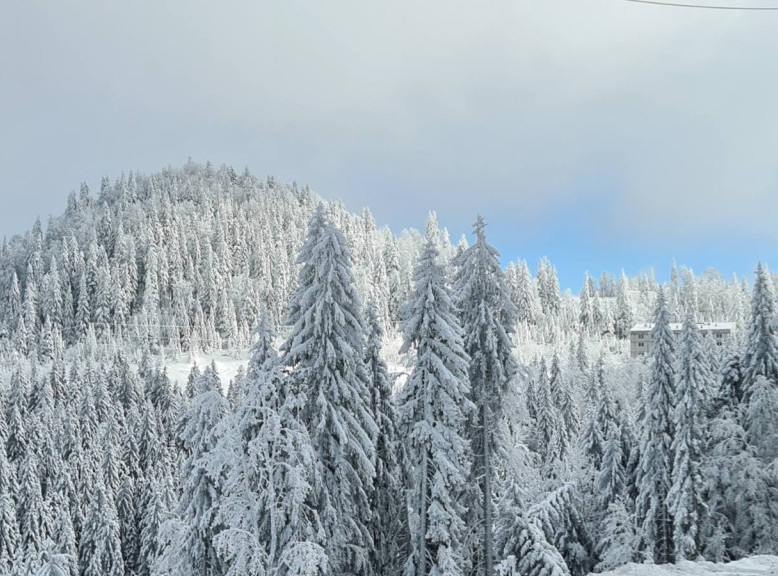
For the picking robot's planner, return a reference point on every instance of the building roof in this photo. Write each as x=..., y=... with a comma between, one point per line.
x=677, y=326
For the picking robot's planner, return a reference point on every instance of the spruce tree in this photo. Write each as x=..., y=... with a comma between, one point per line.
x=269, y=465
x=434, y=408
x=100, y=550
x=623, y=308
x=31, y=510
x=760, y=368
x=389, y=523
x=325, y=352
x=657, y=433
x=189, y=548
x=686, y=495
x=522, y=544
x=611, y=477
x=9, y=527
x=488, y=318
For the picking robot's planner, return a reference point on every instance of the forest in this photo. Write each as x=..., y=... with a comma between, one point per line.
x=406, y=405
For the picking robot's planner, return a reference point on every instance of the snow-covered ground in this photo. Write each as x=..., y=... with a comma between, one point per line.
x=753, y=566
x=227, y=366
x=229, y=362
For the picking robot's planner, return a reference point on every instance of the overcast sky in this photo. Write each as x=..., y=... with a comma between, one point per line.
x=601, y=133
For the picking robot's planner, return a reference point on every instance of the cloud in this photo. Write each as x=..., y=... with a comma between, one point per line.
x=660, y=118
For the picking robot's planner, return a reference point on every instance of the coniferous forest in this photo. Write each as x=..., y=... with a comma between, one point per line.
x=405, y=404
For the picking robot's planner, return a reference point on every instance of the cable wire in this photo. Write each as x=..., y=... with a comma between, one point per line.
x=703, y=6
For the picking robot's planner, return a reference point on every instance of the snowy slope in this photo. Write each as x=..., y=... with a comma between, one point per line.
x=753, y=566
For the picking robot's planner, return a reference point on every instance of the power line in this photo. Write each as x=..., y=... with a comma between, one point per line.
x=703, y=6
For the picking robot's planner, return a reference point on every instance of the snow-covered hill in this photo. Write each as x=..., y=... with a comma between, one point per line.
x=753, y=566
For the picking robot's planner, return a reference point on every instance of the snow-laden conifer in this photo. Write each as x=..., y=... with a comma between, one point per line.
x=270, y=524
x=656, y=440
x=325, y=350
x=434, y=408
x=488, y=318
x=389, y=524
x=686, y=495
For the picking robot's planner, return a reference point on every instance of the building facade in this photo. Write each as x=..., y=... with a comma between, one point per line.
x=640, y=336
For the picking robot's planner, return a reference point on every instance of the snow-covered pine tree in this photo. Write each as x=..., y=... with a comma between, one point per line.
x=100, y=549
x=623, y=308
x=31, y=511
x=63, y=534
x=488, y=318
x=151, y=518
x=730, y=383
x=557, y=514
x=656, y=438
x=581, y=358
x=610, y=478
x=521, y=543
x=526, y=296
x=434, y=408
x=52, y=562
x=188, y=547
x=686, y=494
x=548, y=287
x=586, y=312
x=269, y=465
x=9, y=527
x=389, y=523
x=760, y=368
x=569, y=417
x=325, y=351
x=547, y=422
x=617, y=541
x=607, y=418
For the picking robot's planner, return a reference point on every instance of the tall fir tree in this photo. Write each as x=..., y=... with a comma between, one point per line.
x=686, y=494
x=656, y=440
x=434, y=408
x=189, y=548
x=269, y=466
x=389, y=524
x=760, y=368
x=488, y=318
x=325, y=350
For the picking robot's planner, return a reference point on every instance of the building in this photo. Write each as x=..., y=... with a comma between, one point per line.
x=640, y=335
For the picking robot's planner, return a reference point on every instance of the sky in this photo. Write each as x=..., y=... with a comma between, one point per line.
x=600, y=133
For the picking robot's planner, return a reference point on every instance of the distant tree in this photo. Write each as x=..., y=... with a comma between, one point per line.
x=624, y=318
x=100, y=551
